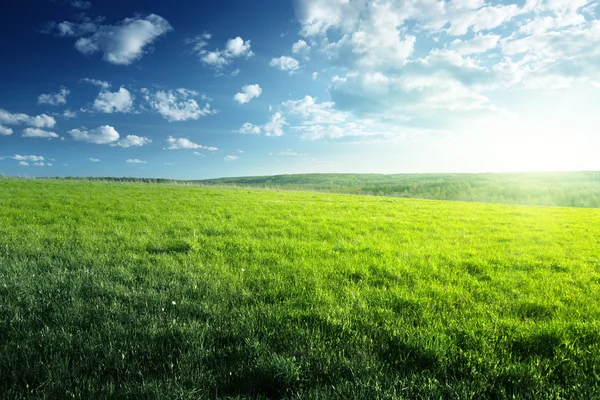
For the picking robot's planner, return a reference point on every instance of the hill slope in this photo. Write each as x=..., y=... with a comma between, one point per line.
x=152, y=291
x=572, y=189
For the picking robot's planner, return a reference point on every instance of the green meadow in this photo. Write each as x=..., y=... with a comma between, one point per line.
x=571, y=189
x=147, y=291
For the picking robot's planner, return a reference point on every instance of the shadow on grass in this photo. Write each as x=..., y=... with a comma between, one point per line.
x=171, y=247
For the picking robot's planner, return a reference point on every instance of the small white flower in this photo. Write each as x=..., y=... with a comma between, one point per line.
x=173, y=302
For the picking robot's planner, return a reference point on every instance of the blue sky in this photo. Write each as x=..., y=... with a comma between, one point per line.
x=193, y=89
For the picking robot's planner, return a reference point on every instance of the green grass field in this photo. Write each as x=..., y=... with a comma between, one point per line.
x=570, y=189
x=114, y=290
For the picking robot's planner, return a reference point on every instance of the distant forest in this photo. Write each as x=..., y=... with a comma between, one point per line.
x=570, y=189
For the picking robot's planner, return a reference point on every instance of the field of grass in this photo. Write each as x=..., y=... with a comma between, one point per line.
x=570, y=189
x=124, y=290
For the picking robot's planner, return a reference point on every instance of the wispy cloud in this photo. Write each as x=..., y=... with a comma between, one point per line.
x=183, y=143
x=54, y=99
x=120, y=44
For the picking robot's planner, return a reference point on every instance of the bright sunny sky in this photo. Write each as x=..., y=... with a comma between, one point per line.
x=203, y=89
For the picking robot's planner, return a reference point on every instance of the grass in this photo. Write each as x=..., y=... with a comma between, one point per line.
x=113, y=290
x=571, y=189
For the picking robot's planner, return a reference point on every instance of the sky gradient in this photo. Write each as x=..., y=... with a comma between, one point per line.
x=193, y=89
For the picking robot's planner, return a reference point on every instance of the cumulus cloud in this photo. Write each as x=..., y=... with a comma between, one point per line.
x=248, y=128
x=54, y=99
x=248, y=93
x=94, y=160
x=39, y=121
x=374, y=18
x=112, y=102
x=38, y=133
x=231, y=158
x=133, y=141
x=177, y=105
x=102, y=135
x=120, y=44
x=183, y=143
x=4, y=131
x=218, y=59
x=275, y=126
x=301, y=48
x=26, y=161
x=285, y=63
x=135, y=161
x=18, y=157
x=317, y=113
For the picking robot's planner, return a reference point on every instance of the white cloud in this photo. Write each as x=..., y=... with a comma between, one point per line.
x=177, y=105
x=133, y=141
x=316, y=113
x=102, y=135
x=248, y=128
x=54, y=99
x=301, y=48
x=18, y=157
x=218, y=59
x=25, y=161
x=81, y=4
x=109, y=102
x=69, y=114
x=103, y=84
x=315, y=75
x=183, y=143
x=238, y=47
x=93, y=160
x=541, y=24
x=231, y=158
x=316, y=121
x=135, y=161
x=318, y=17
x=199, y=42
x=248, y=93
x=38, y=133
x=478, y=44
x=4, y=131
x=120, y=44
x=86, y=26
x=285, y=63
x=288, y=153
x=39, y=121
x=275, y=126
x=272, y=128
x=438, y=63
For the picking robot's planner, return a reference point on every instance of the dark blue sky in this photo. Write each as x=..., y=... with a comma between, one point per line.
x=194, y=89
